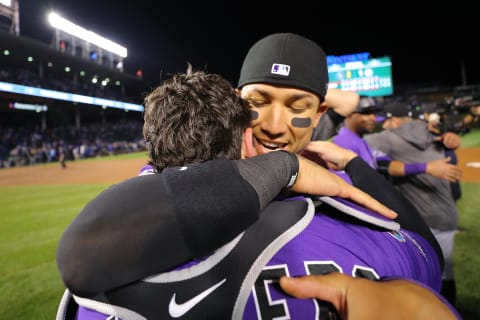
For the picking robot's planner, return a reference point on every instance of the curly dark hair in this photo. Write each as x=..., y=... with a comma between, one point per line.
x=193, y=117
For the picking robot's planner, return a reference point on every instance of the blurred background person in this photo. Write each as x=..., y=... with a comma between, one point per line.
x=407, y=140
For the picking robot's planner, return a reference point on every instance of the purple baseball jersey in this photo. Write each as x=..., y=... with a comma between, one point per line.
x=350, y=140
x=240, y=280
x=329, y=244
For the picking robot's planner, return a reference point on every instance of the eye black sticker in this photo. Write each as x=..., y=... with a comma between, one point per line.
x=254, y=114
x=301, y=122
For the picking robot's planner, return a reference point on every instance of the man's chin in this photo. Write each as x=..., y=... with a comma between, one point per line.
x=261, y=150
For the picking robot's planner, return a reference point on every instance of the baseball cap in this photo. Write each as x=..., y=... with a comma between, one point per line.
x=289, y=60
x=397, y=109
x=366, y=105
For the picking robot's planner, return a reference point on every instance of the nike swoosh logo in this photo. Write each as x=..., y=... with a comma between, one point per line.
x=177, y=310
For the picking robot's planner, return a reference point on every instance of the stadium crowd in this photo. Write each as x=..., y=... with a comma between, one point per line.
x=26, y=141
x=47, y=80
x=29, y=146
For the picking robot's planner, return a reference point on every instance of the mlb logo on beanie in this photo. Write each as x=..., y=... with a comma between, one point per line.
x=281, y=69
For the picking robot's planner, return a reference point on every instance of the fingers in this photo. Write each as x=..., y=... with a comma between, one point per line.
x=313, y=286
x=367, y=201
x=332, y=287
x=316, y=180
x=346, y=190
x=443, y=169
x=451, y=140
x=335, y=156
x=454, y=174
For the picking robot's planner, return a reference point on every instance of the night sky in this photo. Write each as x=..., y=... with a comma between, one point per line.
x=432, y=46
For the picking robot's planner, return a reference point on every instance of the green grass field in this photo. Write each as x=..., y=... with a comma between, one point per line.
x=32, y=220
x=471, y=139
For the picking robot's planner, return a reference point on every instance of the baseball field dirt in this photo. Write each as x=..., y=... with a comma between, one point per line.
x=108, y=170
x=112, y=170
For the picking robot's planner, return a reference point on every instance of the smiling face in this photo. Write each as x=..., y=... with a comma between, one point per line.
x=361, y=123
x=282, y=118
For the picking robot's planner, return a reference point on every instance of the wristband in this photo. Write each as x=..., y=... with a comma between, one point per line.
x=415, y=168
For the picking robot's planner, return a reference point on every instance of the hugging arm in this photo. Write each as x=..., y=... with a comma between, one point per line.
x=152, y=223
x=343, y=102
x=149, y=224
x=369, y=180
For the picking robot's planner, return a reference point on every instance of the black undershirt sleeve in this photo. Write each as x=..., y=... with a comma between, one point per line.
x=212, y=202
x=382, y=166
x=150, y=224
x=114, y=239
x=370, y=181
x=269, y=173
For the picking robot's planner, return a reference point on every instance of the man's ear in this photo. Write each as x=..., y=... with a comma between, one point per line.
x=248, y=150
x=238, y=92
x=322, y=108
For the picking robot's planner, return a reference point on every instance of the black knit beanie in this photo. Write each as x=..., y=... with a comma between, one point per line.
x=289, y=60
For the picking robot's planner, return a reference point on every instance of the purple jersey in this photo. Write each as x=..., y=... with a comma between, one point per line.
x=240, y=279
x=329, y=244
x=350, y=140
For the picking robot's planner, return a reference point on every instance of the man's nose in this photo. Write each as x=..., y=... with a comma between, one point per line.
x=275, y=120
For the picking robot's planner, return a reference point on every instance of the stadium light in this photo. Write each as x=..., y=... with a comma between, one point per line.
x=69, y=27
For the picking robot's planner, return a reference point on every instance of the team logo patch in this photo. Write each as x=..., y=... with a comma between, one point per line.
x=397, y=235
x=280, y=69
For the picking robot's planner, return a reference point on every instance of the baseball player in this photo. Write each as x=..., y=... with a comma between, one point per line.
x=406, y=139
x=114, y=263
